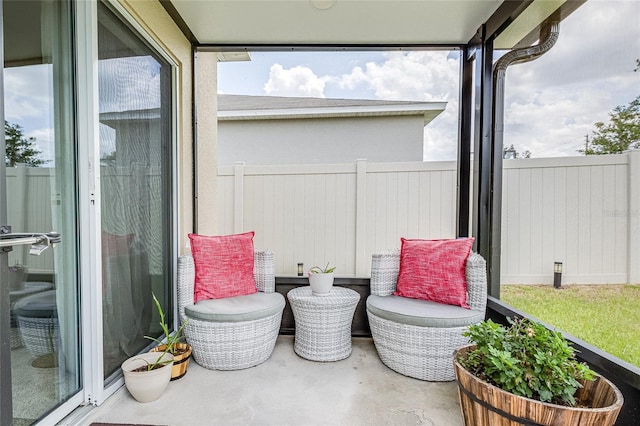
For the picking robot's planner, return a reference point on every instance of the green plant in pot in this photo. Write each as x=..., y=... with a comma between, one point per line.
x=173, y=344
x=526, y=373
x=321, y=279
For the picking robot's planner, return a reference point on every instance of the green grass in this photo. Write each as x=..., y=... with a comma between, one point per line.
x=607, y=316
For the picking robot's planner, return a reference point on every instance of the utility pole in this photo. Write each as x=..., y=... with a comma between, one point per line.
x=586, y=145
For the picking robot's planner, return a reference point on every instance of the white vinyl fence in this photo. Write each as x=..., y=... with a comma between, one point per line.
x=341, y=213
x=582, y=211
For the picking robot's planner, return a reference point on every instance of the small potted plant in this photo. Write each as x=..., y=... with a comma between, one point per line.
x=528, y=374
x=17, y=277
x=147, y=375
x=172, y=343
x=321, y=280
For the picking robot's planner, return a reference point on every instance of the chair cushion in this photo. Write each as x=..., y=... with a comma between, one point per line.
x=239, y=308
x=434, y=270
x=41, y=305
x=421, y=312
x=224, y=266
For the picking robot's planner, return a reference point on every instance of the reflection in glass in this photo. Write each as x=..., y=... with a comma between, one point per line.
x=41, y=182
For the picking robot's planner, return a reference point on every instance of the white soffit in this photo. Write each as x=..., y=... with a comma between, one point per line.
x=340, y=22
x=526, y=22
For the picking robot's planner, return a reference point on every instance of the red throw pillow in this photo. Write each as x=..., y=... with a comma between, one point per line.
x=434, y=270
x=224, y=266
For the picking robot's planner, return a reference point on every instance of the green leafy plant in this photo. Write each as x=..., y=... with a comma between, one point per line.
x=319, y=270
x=170, y=340
x=526, y=359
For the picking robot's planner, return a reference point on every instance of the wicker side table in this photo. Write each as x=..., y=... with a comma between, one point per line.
x=323, y=323
x=29, y=288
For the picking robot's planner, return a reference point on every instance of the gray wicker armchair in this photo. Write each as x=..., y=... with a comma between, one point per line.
x=235, y=332
x=416, y=337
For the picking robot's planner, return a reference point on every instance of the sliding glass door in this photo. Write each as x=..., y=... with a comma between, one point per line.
x=54, y=338
x=39, y=286
x=135, y=92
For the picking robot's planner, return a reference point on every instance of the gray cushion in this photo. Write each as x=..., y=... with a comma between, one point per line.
x=421, y=312
x=239, y=308
x=41, y=305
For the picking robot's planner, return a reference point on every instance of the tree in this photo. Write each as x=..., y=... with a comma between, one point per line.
x=19, y=149
x=510, y=152
x=620, y=134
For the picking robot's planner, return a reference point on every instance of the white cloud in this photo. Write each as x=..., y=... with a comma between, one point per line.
x=27, y=93
x=419, y=76
x=295, y=81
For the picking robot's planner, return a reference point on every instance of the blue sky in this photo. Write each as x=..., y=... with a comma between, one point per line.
x=550, y=103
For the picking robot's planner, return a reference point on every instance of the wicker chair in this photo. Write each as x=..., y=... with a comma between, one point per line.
x=235, y=332
x=416, y=337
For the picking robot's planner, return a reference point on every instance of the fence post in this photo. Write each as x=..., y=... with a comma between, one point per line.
x=633, y=217
x=361, y=217
x=238, y=197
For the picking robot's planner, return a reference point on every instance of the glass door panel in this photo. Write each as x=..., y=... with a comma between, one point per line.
x=40, y=179
x=135, y=167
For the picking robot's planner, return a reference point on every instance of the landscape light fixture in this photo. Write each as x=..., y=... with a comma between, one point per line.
x=557, y=274
x=300, y=269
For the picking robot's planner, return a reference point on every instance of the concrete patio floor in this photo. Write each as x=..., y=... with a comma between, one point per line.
x=289, y=390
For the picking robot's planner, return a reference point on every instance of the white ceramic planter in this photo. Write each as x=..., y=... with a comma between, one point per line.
x=17, y=277
x=321, y=284
x=147, y=386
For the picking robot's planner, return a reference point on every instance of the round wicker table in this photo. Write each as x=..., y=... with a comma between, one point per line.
x=323, y=323
x=29, y=288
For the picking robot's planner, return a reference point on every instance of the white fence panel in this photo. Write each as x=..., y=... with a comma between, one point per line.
x=29, y=199
x=572, y=210
x=582, y=211
x=303, y=214
x=411, y=200
x=339, y=213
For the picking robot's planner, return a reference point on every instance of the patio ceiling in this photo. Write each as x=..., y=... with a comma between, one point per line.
x=354, y=22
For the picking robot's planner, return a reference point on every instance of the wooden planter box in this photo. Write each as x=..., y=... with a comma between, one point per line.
x=180, y=362
x=485, y=404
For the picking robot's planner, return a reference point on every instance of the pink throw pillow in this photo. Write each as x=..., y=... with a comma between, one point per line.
x=434, y=270
x=224, y=266
x=116, y=245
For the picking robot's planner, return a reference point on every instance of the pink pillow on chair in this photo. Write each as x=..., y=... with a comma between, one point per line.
x=224, y=266
x=434, y=270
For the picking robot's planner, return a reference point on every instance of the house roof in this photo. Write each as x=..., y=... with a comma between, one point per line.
x=244, y=107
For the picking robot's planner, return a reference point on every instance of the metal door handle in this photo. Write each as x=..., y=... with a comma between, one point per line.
x=39, y=241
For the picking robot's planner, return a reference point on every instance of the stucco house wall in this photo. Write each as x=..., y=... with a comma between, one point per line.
x=318, y=140
x=271, y=130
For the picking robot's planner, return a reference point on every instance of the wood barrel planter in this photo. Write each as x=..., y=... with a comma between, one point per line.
x=180, y=361
x=484, y=404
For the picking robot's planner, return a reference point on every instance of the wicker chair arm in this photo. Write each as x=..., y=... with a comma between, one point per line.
x=385, y=267
x=476, y=272
x=264, y=271
x=186, y=280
